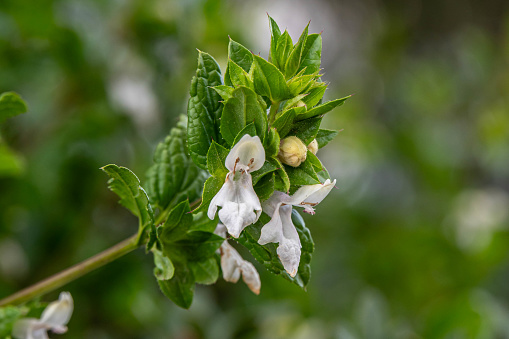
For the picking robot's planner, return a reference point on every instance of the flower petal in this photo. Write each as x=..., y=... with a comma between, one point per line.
x=230, y=259
x=250, y=152
x=280, y=229
x=29, y=328
x=289, y=252
x=233, y=266
x=240, y=204
x=310, y=195
x=58, y=313
x=250, y=276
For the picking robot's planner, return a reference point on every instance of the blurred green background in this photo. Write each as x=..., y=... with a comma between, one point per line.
x=414, y=243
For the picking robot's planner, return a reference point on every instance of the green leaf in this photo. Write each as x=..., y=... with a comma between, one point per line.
x=311, y=54
x=283, y=49
x=269, y=81
x=272, y=143
x=315, y=95
x=178, y=218
x=10, y=163
x=265, y=169
x=204, y=109
x=317, y=164
x=210, y=189
x=240, y=110
x=8, y=316
x=241, y=56
x=284, y=122
x=190, y=251
x=302, y=83
x=293, y=101
x=164, y=268
x=324, y=136
x=308, y=246
x=180, y=288
x=306, y=130
x=238, y=76
x=249, y=129
x=11, y=105
x=282, y=181
x=216, y=157
x=321, y=109
x=206, y=271
x=265, y=186
x=294, y=60
x=305, y=174
x=224, y=91
x=323, y=175
x=275, y=33
x=126, y=185
x=174, y=177
x=201, y=222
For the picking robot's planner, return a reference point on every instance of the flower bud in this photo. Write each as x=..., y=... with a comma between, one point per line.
x=313, y=146
x=292, y=151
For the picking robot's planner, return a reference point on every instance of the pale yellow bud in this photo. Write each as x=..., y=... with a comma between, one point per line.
x=292, y=151
x=313, y=146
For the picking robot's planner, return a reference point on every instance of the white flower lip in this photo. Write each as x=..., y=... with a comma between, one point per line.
x=311, y=195
x=54, y=318
x=240, y=204
x=280, y=229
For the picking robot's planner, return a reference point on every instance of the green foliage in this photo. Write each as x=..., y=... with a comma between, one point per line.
x=284, y=122
x=11, y=105
x=238, y=76
x=324, y=136
x=174, y=177
x=305, y=174
x=240, y=56
x=294, y=61
x=190, y=252
x=240, y=110
x=126, y=185
x=306, y=130
x=265, y=186
x=311, y=54
x=10, y=163
x=269, y=81
x=8, y=316
x=321, y=109
x=204, y=109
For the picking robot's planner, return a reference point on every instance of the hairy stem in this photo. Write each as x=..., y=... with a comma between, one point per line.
x=272, y=113
x=60, y=279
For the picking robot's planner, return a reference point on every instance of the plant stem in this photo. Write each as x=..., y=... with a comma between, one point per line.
x=272, y=113
x=72, y=273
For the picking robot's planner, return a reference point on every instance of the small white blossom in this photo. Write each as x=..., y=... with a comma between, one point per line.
x=280, y=229
x=240, y=204
x=54, y=318
x=233, y=266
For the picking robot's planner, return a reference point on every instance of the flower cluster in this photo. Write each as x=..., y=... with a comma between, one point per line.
x=241, y=207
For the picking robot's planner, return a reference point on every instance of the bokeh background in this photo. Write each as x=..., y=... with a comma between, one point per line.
x=414, y=243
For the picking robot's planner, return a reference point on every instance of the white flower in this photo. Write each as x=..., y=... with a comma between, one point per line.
x=240, y=204
x=280, y=228
x=53, y=318
x=233, y=265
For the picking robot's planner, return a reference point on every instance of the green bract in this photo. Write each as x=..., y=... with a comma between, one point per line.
x=271, y=99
